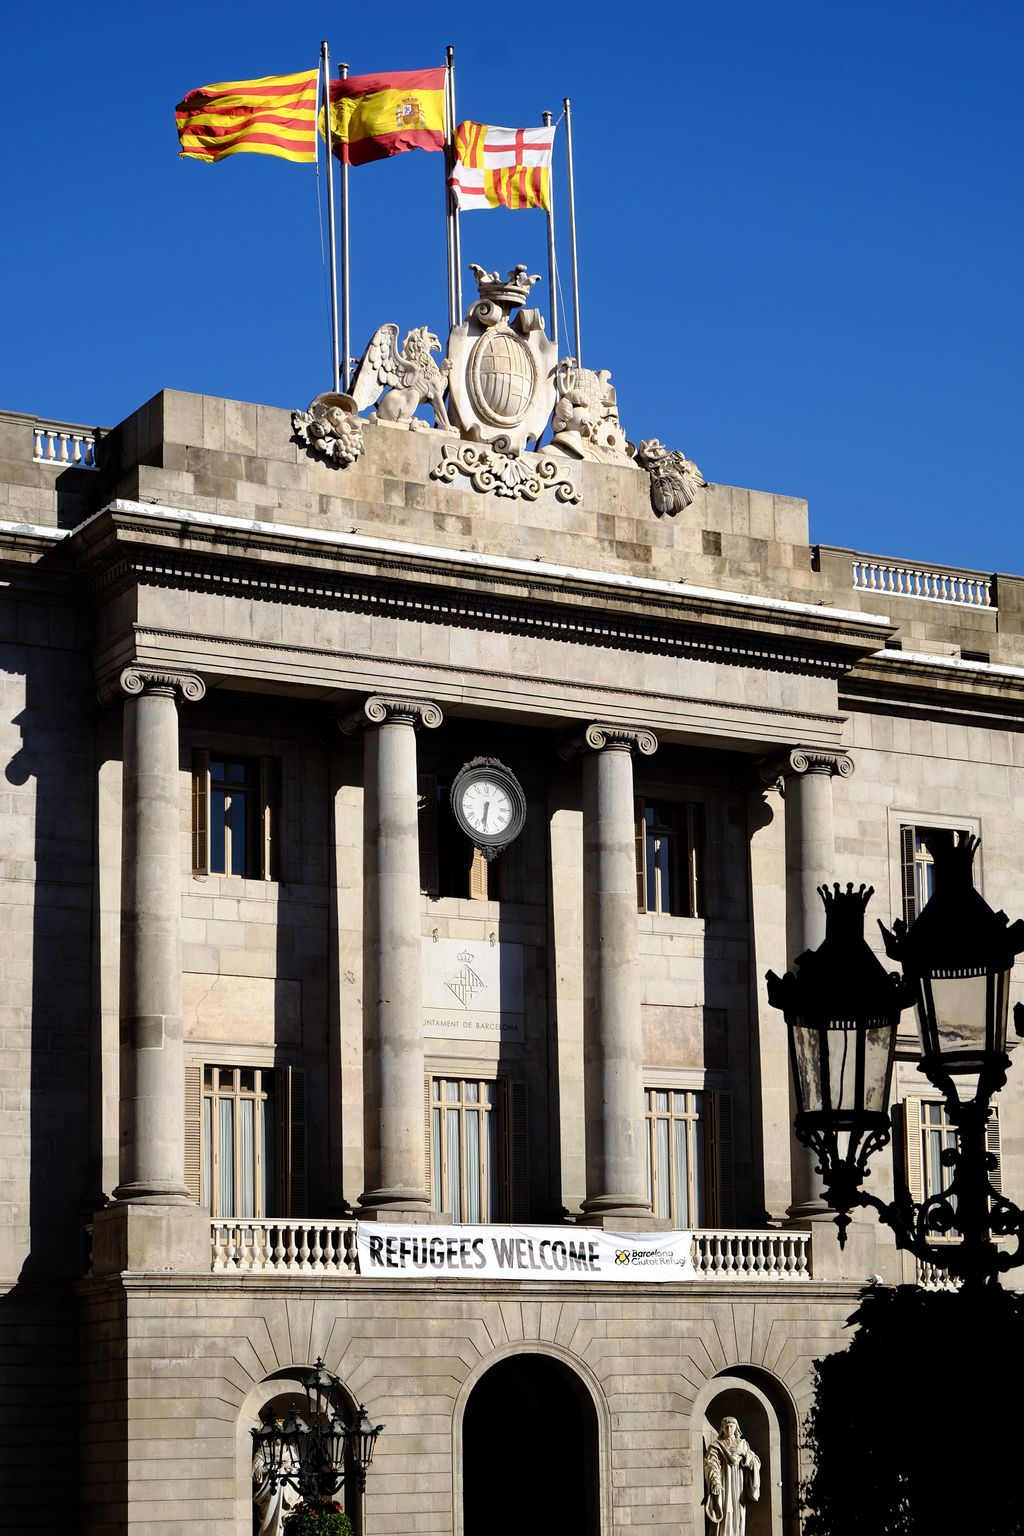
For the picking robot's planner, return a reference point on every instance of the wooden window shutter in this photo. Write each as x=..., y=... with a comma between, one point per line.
x=270, y=814
x=201, y=812
x=292, y=1140
x=478, y=872
x=641, y=857
x=908, y=874
x=428, y=1139
x=720, y=1158
x=913, y=1158
x=426, y=787
x=193, y=1129
x=515, y=1140
x=992, y=1146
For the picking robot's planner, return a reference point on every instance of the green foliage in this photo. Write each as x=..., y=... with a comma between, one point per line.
x=317, y=1520
x=908, y=1429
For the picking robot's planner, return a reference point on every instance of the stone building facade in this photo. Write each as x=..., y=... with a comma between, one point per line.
x=259, y=986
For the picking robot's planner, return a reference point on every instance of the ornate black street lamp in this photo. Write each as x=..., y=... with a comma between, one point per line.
x=842, y=1010
x=308, y=1453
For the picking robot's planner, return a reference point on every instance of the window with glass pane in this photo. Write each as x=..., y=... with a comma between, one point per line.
x=669, y=856
x=238, y=1142
x=464, y=1156
x=675, y=1156
x=234, y=810
x=918, y=871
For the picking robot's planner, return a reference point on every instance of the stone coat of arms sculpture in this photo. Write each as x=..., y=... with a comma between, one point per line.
x=504, y=383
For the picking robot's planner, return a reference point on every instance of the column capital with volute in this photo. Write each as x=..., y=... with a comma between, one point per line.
x=132, y=681
x=630, y=738
x=377, y=710
x=798, y=761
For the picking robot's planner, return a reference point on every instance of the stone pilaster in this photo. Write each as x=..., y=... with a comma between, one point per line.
x=152, y=1130
x=613, y=1037
x=393, y=1067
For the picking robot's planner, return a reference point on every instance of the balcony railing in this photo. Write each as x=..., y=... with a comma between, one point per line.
x=64, y=447
x=967, y=589
x=315, y=1247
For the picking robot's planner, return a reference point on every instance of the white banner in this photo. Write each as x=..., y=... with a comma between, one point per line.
x=522, y=1253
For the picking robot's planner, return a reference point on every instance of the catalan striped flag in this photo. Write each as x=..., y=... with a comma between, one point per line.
x=272, y=116
x=374, y=116
x=502, y=167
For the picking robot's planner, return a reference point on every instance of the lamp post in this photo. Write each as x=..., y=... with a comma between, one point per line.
x=308, y=1453
x=842, y=1010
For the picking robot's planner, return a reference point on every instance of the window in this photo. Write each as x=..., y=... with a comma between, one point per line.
x=670, y=858
x=245, y=1139
x=476, y=1148
x=917, y=870
x=928, y=1133
x=689, y=1156
x=233, y=814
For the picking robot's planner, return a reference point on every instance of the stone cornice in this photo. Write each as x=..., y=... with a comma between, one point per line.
x=130, y=682
x=129, y=544
x=597, y=736
x=381, y=711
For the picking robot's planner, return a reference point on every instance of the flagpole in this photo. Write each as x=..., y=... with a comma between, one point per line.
x=572, y=228
x=325, y=66
x=545, y=118
x=452, y=209
x=346, y=329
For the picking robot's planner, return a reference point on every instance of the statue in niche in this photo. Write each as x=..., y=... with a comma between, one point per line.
x=272, y=1504
x=732, y=1480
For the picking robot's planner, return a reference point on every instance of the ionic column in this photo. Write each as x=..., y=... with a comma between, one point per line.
x=612, y=1032
x=807, y=774
x=152, y=1150
x=394, y=1151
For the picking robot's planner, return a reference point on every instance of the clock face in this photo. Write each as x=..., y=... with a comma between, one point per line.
x=489, y=804
x=486, y=806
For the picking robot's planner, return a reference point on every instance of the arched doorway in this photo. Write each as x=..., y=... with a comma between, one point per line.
x=530, y=1452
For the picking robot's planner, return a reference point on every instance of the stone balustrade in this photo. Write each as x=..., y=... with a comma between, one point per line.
x=967, y=589
x=64, y=447
x=320, y=1247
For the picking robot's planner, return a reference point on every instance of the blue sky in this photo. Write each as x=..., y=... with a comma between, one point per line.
x=799, y=223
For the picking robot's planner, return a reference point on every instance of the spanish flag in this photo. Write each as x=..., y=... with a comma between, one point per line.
x=502, y=167
x=272, y=116
x=374, y=116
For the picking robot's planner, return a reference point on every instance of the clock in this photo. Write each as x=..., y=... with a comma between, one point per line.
x=488, y=804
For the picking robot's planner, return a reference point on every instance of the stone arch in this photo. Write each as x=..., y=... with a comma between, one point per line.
x=284, y=1384
x=768, y=1417
x=583, y=1385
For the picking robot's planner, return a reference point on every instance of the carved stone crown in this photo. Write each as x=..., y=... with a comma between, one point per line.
x=510, y=291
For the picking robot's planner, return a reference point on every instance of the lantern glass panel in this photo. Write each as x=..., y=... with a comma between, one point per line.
x=843, y=1077
x=879, y=1053
x=806, y=1047
x=956, y=1015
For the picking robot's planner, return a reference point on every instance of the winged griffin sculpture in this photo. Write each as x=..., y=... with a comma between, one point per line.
x=409, y=375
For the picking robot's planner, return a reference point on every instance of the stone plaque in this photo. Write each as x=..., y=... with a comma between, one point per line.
x=473, y=990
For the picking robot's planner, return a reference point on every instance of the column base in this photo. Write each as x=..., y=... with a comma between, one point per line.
x=148, y=1193
x=148, y=1238
x=620, y=1213
x=405, y=1205
x=804, y=1212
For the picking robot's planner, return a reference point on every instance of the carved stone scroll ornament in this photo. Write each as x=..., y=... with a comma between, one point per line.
x=586, y=423
x=675, y=479
x=131, y=681
x=506, y=474
x=774, y=771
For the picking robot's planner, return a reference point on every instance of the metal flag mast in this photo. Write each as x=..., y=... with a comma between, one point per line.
x=572, y=228
x=346, y=329
x=453, y=232
x=325, y=73
x=545, y=118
